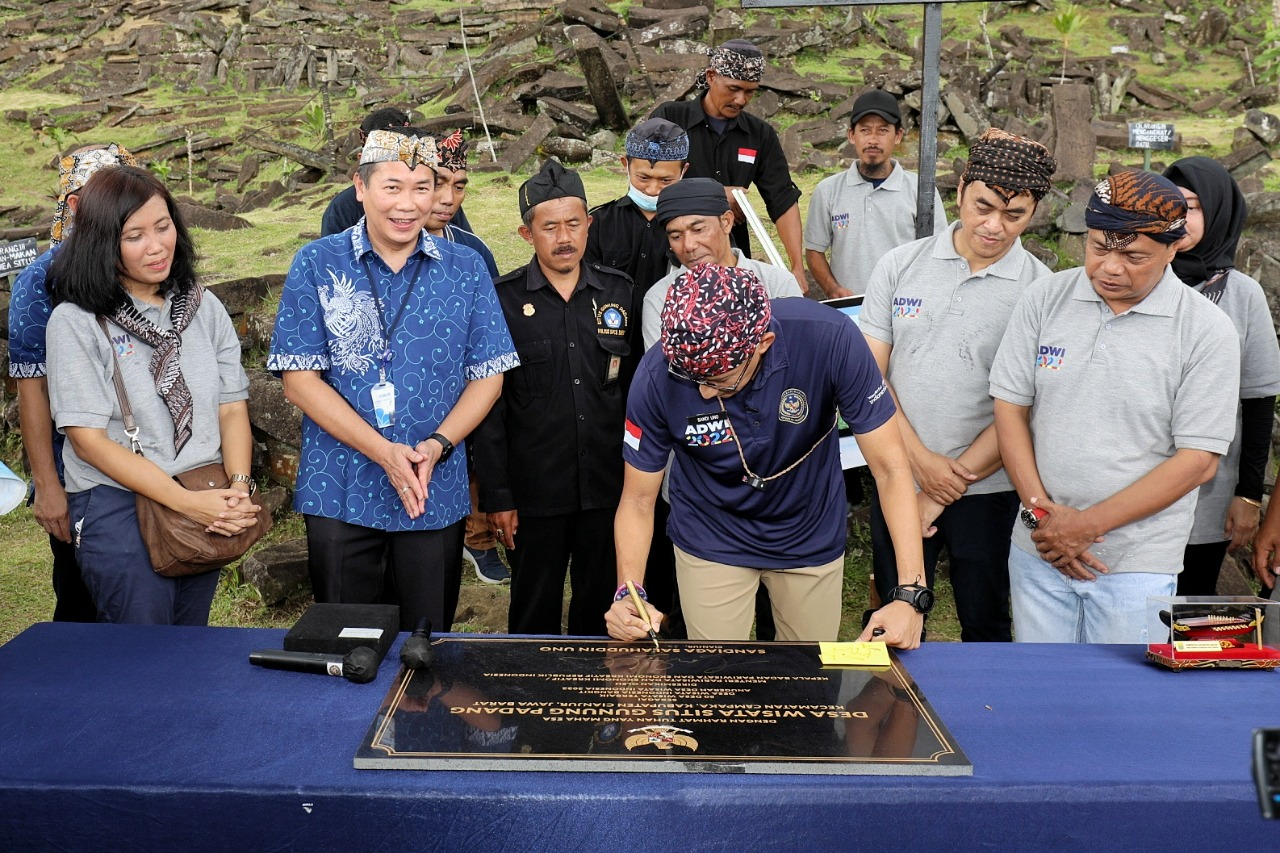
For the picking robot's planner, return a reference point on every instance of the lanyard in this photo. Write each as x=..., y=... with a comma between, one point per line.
x=383, y=327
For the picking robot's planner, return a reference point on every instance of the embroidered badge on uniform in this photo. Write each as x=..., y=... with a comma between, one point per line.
x=612, y=320
x=746, y=155
x=793, y=408
x=1051, y=358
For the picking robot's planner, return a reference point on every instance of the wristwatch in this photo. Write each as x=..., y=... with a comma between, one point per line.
x=247, y=480
x=919, y=597
x=1031, y=516
x=446, y=446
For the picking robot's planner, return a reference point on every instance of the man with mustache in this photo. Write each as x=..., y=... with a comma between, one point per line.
x=860, y=215
x=549, y=453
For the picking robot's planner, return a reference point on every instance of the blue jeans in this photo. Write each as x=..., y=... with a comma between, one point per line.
x=1049, y=607
x=117, y=568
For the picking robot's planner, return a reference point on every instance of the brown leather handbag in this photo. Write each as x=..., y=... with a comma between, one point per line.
x=179, y=545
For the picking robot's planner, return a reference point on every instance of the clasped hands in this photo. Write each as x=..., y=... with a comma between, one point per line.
x=227, y=512
x=409, y=470
x=942, y=481
x=1063, y=538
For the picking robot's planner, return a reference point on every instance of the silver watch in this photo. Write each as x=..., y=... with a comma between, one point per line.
x=247, y=480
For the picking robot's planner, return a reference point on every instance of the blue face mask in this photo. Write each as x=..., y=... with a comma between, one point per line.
x=644, y=201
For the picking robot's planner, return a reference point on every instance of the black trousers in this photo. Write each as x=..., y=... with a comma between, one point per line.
x=975, y=531
x=419, y=570
x=548, y=545
x=1201, y=565
x=73, y=602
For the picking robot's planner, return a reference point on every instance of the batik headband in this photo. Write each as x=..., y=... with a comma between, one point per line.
x=738, y=59
x=713, y=319
x=385, y=146
x=1135, y=202
x=658, y=140
x=74, y=172
x=453, y=152
x=1010, y=165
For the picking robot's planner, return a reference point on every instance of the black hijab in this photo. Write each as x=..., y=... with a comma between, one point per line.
x=1224, y=210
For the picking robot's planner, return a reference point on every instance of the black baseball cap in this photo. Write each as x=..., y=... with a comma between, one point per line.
x=880, y=103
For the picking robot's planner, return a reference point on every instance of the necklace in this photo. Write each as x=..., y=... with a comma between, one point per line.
x=753, y=479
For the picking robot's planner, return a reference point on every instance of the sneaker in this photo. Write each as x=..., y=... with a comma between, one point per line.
x=488, y=565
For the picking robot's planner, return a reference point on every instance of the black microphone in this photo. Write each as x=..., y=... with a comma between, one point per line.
x=360, y=665
x=417, y=653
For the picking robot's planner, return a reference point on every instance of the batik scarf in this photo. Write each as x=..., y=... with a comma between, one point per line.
x=166, y=367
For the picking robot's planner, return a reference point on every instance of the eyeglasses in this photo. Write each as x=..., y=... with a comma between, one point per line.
x=680, y=373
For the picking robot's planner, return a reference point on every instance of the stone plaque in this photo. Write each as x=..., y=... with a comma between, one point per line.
x=593, y=705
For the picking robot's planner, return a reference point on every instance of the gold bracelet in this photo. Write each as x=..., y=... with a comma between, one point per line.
x=1250, y=501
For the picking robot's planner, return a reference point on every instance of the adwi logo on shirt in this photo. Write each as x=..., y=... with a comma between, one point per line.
x=123, y=344
x=1051, y=357
x=839, y=221
x=907, y=307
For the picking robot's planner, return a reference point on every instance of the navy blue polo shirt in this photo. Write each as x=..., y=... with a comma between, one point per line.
x=818, y=363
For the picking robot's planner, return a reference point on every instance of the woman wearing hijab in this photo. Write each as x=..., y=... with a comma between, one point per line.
x=1229, y=505
x=130, y=262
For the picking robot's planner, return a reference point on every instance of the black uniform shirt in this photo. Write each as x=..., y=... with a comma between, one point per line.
x=622, y=238
x=552, y=444
x=748, y=152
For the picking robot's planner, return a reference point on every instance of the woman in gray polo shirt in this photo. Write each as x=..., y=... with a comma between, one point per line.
x=130, y=261
x=1229, y=505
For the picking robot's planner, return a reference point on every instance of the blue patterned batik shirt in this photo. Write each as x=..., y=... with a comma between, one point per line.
x=29, y=309
x=446, y=328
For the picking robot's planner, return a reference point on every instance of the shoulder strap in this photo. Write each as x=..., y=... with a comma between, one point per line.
x=126, y=411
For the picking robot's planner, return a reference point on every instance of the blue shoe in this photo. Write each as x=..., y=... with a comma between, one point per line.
x=488, y=565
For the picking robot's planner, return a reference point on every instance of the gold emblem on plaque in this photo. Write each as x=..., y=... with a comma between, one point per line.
x=663, y=737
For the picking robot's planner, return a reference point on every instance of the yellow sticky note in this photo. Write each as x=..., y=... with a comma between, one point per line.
x=854, y=654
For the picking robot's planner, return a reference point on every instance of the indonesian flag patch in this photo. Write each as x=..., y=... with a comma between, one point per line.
x=746, y=155
x=631, y=436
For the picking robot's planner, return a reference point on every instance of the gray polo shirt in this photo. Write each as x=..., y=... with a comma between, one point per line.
x=1246, y=305
x=860, y=222
x=778, y=282
x=81, y=393
x=945, y=323
x=1113, y=396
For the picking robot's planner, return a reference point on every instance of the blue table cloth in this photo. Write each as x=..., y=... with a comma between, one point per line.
x=145, y=738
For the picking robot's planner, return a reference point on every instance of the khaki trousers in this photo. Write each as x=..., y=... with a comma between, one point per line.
x=718, y=601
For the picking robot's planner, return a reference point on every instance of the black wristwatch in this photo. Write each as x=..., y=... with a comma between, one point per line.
x=446, y=446
x=919, y=597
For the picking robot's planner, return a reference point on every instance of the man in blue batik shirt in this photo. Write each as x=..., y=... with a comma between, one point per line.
x=382, y=316
x=29, y=307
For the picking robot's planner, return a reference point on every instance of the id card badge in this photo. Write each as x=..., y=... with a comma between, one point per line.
x=615, y=368
x=384, y=404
